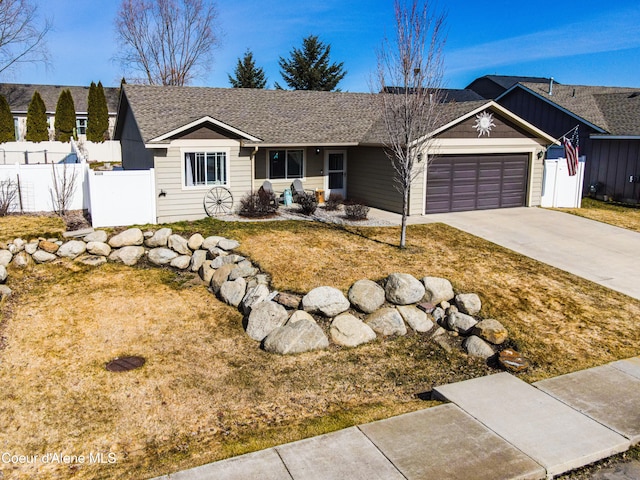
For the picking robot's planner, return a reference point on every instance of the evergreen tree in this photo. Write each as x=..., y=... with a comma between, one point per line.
x=65, y=122
x=7, y=128
x=98, y=114
x=309, y=68
x=37, y=125
x=247, y=75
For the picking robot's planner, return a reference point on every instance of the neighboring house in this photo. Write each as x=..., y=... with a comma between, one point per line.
x=608, y=120
x=199, y=138
x=19, y=96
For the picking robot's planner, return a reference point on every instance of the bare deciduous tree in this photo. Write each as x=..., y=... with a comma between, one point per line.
x=8, y=196
x=409, y=80
x=64, y=185
x=168, y=42
x=22, y=34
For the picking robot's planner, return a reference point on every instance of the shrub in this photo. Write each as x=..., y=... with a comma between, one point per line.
x=258, y=204
x=7, y=128
x=37, y=125
x=65, y=118
x=308, y=203
x=8, y=196
x=333, y=202
x=356, y=211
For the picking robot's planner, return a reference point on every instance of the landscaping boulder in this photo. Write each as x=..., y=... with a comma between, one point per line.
x=513, y=361
x=225, y=260
x=31, y=247
x=48, y=246
x=206, y=273
x=349, y=331
x=159, y=239
x=403, y=289
x=97, y=236
x=243, y=269
x=179, y=244
x=296, y=337
x=161, y=256
x=232, y=291
x=5, y=257
x=386, y=321
x=5, y=291
x=22, y=259
x=92, y=260
x=460, y=322
x=327, y=301
x=181, y=262
x=289, y=300
x=72, y=249
x=468, y=303
x=211, y=242
x=3, y=274
x=264, y=318
x=42, y=257
x=99, y=248
x=300, y=315
x=219, y=276
x=476, y=347
x=195, y=241
x=129, y=255
x=129, y=238
x=366, y=295
x=418, y=320
x=254, y=295
x=491, y=330
x=437, y=290
x=438, y=315
x=226, y=244
x=197, y=259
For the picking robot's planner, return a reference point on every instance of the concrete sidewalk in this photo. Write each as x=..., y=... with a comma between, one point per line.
x=599, y=252
x=495, y=427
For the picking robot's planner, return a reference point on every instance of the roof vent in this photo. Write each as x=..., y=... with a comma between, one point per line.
x=574, y=93
x=551, y=86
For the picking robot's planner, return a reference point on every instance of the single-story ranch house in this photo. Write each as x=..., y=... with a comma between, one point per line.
x=198, y=138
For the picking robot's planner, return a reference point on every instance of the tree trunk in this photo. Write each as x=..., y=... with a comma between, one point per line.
x=405, y=214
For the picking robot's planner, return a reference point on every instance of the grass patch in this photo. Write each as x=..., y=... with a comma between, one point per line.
x=208, y=392
x=606, y=212
x=30, y=226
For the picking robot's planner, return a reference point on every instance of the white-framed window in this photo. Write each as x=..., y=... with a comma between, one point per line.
x=16, y=128
x=286, y=164
x=81, y=126
x=205, y=168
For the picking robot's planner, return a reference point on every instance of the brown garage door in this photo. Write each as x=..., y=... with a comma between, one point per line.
x=476, y=182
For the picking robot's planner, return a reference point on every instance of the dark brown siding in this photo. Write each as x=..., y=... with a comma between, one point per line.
x=206, y=132
x=611, y=163
x=476, y=182
x=503, y=129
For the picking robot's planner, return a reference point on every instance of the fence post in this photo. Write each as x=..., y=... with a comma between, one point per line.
x=26, y=157
x=45, y=157
x=19, y=193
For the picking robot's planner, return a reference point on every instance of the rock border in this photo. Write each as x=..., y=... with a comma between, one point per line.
x=283, y=322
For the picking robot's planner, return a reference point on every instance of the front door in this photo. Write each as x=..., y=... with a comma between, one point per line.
x=336, y=173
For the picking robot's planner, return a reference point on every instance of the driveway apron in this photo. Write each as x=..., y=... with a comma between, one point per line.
x=604, y=254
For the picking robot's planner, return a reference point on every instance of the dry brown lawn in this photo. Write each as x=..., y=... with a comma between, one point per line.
x=29, y=226
x=208, y=392
x=613, y=214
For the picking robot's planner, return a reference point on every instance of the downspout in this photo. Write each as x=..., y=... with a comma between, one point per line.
x=253, y=167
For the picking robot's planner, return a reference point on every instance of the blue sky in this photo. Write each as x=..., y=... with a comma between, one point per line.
x=587, y=42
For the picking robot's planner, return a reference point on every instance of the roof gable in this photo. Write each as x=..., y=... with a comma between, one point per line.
x=217, y=126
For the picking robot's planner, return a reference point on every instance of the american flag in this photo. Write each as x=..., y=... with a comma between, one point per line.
x=571, y=152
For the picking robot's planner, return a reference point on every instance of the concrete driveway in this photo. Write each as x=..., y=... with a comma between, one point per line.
x=596, y=251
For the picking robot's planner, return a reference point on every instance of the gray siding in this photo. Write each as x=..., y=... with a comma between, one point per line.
x=134, y=154
x=370, y=179
x=186, y=203
x=313, y=170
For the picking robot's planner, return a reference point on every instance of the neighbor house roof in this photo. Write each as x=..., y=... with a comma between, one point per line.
x=615, y=110
x=19, y=95
x=507, y=81
x=272, y=117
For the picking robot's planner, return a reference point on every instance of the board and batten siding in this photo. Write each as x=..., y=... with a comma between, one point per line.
x=612, y=163
x=186, y=203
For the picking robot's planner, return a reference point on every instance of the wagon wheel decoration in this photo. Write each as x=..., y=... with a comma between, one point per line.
x=218, y=201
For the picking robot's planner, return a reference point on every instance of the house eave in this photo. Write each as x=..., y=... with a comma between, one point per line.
x=201, y=121
x=614, y=137
x=298, y=144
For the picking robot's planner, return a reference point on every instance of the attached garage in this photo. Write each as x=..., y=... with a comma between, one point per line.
x=458, y=183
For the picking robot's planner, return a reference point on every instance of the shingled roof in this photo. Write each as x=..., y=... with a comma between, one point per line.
x=273, y=116
x=615, y=110
x=19, y=95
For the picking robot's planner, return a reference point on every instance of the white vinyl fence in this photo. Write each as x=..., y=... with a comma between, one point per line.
x=122, y=197
x=58, y=152
x=113, y=198
x=559, y=190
